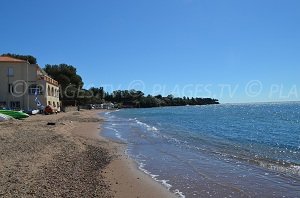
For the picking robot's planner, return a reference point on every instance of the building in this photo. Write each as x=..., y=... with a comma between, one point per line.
x=107, y=105
x=21, y=83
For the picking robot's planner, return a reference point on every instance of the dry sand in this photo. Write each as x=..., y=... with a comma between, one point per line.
x=69, y=159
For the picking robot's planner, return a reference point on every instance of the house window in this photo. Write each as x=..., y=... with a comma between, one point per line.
x=10, y=88
x=2, y=104
x=48, y=92
x=15, y=105
x=35, y=88
x=10, y=71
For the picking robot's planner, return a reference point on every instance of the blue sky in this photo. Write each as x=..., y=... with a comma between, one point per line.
x=234, y=50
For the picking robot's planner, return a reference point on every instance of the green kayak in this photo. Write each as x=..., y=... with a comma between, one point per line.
x=15, y=114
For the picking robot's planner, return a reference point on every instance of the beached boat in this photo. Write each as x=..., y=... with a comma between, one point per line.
x=14, y=114
x=33, y=112
x=4, y=117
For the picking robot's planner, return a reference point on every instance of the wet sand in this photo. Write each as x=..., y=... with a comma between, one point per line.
x=69, y=159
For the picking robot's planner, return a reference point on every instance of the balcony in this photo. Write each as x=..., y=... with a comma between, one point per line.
x=49, y=80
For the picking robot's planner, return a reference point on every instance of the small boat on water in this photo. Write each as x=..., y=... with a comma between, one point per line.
x=14, y=114
x=4, y=117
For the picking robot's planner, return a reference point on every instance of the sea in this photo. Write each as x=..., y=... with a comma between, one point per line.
x=226, y=150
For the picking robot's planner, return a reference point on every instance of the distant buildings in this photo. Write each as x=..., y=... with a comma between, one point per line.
x=21, y=81
x=107, y=105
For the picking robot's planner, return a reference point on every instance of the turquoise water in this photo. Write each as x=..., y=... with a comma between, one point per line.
x=231, y=150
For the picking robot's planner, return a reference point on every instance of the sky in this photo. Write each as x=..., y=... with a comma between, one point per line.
x=232, y=50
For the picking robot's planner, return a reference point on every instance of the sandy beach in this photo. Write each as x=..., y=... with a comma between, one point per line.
x=68, y=159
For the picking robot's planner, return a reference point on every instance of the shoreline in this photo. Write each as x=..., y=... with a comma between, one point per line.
x=69, y=158
x=123, y=174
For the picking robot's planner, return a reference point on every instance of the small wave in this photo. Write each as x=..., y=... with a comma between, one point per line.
x=161, y=181
x=148, y=127
x=286, y=169
x=153, y=128
x=175, y=140
x=117, y=133
x=179, y=193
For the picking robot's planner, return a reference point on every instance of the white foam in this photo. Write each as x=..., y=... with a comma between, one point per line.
x=172, y=139
x=296, y=169
x=175, y=140
x=179, y=193
x=117, y=133
x=163, y=182
x=292, y=169
x=110, y=128
x=148, y=127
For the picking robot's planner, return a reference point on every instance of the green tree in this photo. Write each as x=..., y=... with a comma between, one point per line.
x=66, y=75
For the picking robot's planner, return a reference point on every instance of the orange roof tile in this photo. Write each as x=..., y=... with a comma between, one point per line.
x=10, y=59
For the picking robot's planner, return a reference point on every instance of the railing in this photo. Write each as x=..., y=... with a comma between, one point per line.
x=49, y=80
